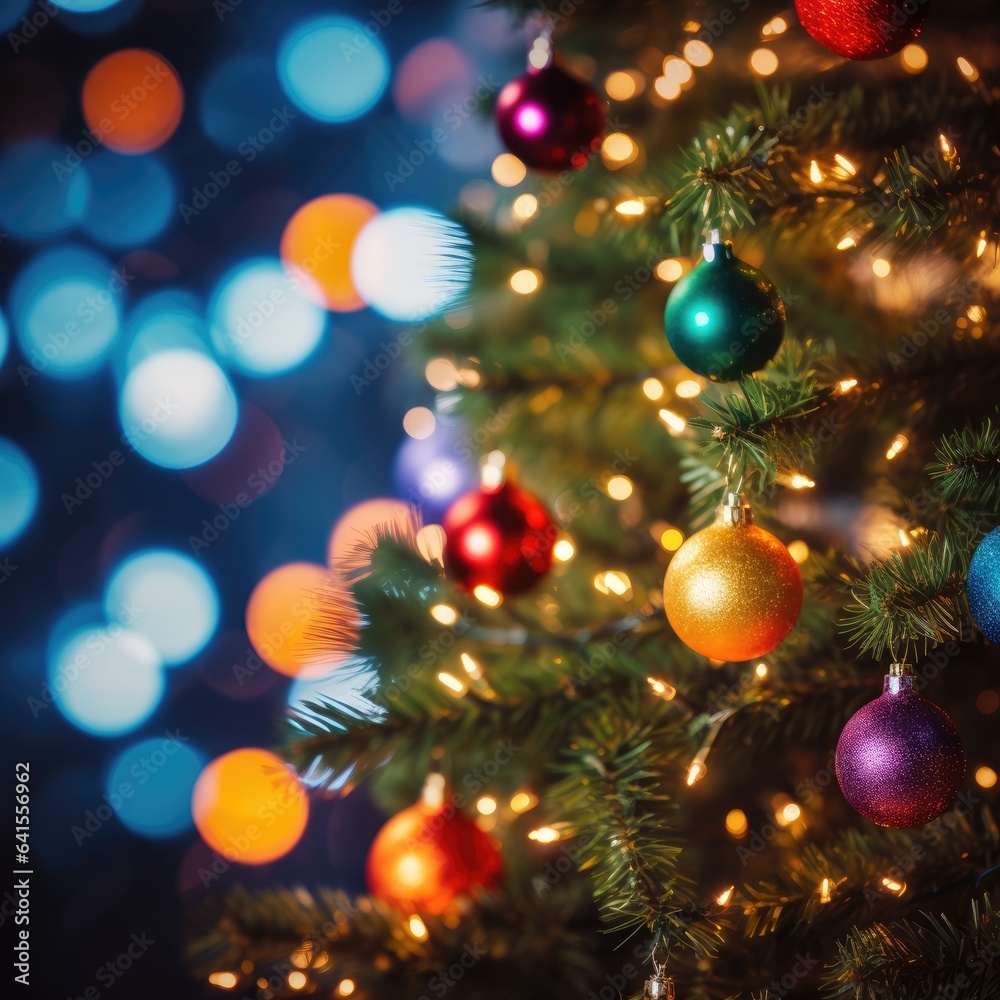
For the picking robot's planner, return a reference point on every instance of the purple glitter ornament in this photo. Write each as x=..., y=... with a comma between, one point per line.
x=900, y=759
x=550, y=120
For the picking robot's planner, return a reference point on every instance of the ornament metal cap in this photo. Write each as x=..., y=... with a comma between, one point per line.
x=900, y=669
x=659, y=988
x=718, y=252
x=734, y=509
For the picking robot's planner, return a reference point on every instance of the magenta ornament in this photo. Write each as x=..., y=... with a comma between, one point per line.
x=550, y=119
x=900, y=759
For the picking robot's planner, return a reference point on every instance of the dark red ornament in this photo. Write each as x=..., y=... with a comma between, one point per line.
x=900, y=759
x=498, y=536
x=550, y=119
x=862, y=29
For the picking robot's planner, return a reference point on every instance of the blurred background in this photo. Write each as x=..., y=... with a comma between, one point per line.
x=217, y=244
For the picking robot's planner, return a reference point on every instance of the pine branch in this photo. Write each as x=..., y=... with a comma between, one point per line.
x=927, y=957
x=966, y=468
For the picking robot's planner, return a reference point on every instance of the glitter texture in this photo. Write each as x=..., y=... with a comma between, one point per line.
x=982, y=587
x=733, y=591
x=900, y=759
x=862, y=29
x=550, y=120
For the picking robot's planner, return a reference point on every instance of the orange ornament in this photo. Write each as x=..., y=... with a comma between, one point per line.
x=732, y=591
x=133, y=100
x=430, y=854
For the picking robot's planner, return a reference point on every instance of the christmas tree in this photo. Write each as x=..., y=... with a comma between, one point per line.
x=604, y=784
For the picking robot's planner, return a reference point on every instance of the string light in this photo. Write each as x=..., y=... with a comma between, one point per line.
x=981, y=245
x=791, y=812
x=445, y=614
x=798, y=550
x=845, y=164
x=725, y=896
x=614, y=582
x=799, y=482
x=976, y=313
x=623, y=84
x=815, y=174
x=653, y=388
x=687, y=389
x=675, y=68
x=893, y=886
x=947, y=149
x=697, y=52
x=824, y=891
x=672, y=539
x=847, y=384
x=631, y=207
x=846, y=243
x=508, y=170
x=760, y=670
x=487, y=805
x=419, y=423
x=666, y=691
x=914, y=58
x=441, y=374
x=224, y=980
x=619, y=149
x=736, y=822
x=523, y=801
x=904, y=538
x=525, y=281
x=763, y=61
x=487, y=595
x=296, y=980
x=899, y=442
x=525, y=206
x=563, y=550
x=544, y=835
x=986, y=777
x=472, y=668
x=451, y=682
x=669, y=269
x=776, y=26
x=669, y=89
x=675, y=423
x=300, y=959
x=345, y=987
x=619, y=487
x=967, y=69
x=881, y=267
x=417, y=928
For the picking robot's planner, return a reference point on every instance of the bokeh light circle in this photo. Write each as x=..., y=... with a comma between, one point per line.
x=106, y=679
x=133, y=100
x=333, y=68
x=132, y=199
x=4, y=339
x=357, y=522
x=177, y=408
x=239, y=106
x=44, y=189
x=85, y=6
x=284, y=609
x=149, y=785
x=11, y=12
x=411, y=263
x=318, y=240
x=434, y=83
x=263, y=319
x=250, y=806
x=18, y=491
x=65, y=310
x=166, y=320
x=168, y=598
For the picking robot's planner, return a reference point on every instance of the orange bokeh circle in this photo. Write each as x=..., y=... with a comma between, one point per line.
x=283, y=614
x=249, y=806
x=133, y=100
x=318, y=240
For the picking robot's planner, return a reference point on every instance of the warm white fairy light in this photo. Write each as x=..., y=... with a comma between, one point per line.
x=672, y=539
x=845, y=164
x=451, y=682
x=815, y=174
x=894, y=886
x=847, y=384
x=524, y=207
x=899, y=442
x=345, y=987
x=445, y=614
x=525, y=281
x=737, y=823
x=487, y=595
x=799, y=482
x=417, y=927
x=631, y=207
x=825, y=891
x=904, y=538
x=486, y=805
x=725, y=896
x=846, y=243
x=881, y=267
x=670, y=269
x=776, y=26
x=914, y=58
x=981, y=245
x=760, y=670
x=224, y=980
x=696, y=771
x=619, y=148
x=619, y=487
x=523, y=801
x=967, y=69
x=653, y=388
x=544, y=835
x=675, y=423
x=563, y=550
x=763, y=61
x=687, y=389
x=472, y=668
x=662, y=689
x=508, y=170
x=297, y=980
x=697, y=52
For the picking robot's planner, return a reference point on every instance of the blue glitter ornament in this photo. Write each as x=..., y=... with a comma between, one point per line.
x=982, y=586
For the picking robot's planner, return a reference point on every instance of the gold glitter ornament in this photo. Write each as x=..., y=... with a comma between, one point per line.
x=732, y=591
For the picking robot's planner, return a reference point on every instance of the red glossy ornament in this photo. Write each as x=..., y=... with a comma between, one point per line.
x=498, y=536
x=899, y=759
x=430, y=855
x=862, y=29
x=550, y=119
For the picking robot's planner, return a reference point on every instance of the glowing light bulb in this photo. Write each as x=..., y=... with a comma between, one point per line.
x=815, y=174
x=761, y=670
x=725, y=896
x=967, y=69
x=914, y=58
x=672, y=539
x=666, y=691
x=444, y=613
x=736, y=822
x=487, y=595
x=675, y=423
x=525, y=281
x=487, y=805
x=696, y=771
x=763, y=61
x=881, y=267
x=652, y=388
x=697, y=52
x=417, y=928
x=631, y=207
x=669, y=269
x=846, y=243
x=508, y=170
x=224, y=980
x=845, y=164
x=894, y=886
x=619, y=487
x=986, y=777
x=523, y=801
x=544, y=835
x=451, y=682
x=525, y=206
x=563, y=550
x=824, y=891
x=345, y=987
x=899, y=442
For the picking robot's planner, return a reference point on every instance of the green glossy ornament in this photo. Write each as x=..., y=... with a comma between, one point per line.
x=724, y=319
